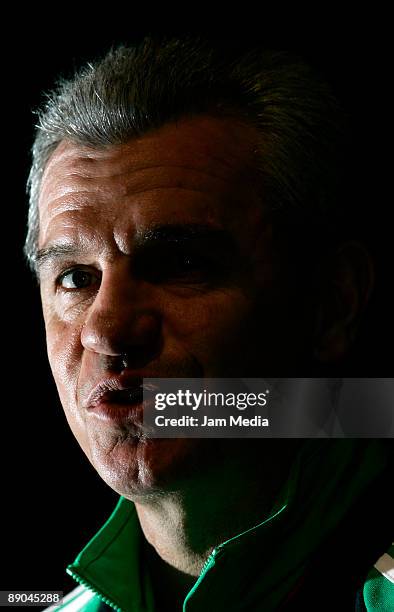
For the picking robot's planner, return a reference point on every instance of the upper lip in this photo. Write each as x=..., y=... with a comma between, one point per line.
x=106, y=388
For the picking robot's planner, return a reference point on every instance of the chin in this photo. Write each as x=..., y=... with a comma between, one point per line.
x=139, y=468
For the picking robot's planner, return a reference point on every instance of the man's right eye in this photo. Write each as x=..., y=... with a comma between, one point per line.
x=76, y=279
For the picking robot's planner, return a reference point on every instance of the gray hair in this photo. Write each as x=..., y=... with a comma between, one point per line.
x=133, y=90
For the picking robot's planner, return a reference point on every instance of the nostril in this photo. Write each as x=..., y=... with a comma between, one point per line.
x=135, y=357
x=124, y=361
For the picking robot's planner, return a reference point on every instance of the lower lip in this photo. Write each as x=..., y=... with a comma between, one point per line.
x=118, y=413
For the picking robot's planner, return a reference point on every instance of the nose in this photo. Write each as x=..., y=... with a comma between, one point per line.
x=122, y=320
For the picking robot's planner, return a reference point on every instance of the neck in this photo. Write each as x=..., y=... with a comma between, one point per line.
x=183, y=526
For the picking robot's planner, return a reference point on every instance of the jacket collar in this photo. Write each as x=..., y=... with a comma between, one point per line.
x=110, y=563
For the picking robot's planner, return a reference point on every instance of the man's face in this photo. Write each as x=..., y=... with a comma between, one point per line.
x=157, y=260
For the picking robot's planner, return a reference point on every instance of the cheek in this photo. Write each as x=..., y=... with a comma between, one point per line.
x=65, y=354
x=211, y=328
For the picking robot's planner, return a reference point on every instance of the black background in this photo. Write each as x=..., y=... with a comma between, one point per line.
x=52, y=499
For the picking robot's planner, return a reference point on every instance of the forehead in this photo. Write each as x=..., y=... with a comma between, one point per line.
x=198, y=167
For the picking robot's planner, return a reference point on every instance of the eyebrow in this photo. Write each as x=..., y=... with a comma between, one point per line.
x=191, y=233
x=213, y=238
x=56, y=251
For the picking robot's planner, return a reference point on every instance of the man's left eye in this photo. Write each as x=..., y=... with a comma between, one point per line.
x=188, y=263
x=185, y=265
x=76, y=279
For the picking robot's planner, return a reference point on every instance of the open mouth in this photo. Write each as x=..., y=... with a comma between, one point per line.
x=125, y=396
x=120, y=405
x=130, y=396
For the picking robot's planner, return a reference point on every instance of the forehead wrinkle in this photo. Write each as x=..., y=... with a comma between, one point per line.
x=82, y=201
x=134, y=181
x=69, y=204
x=130, y=167
x=160, y=175
x=62, y=217
x=58, y=186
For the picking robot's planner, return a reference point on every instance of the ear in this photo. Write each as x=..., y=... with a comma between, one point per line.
x=347, y=280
